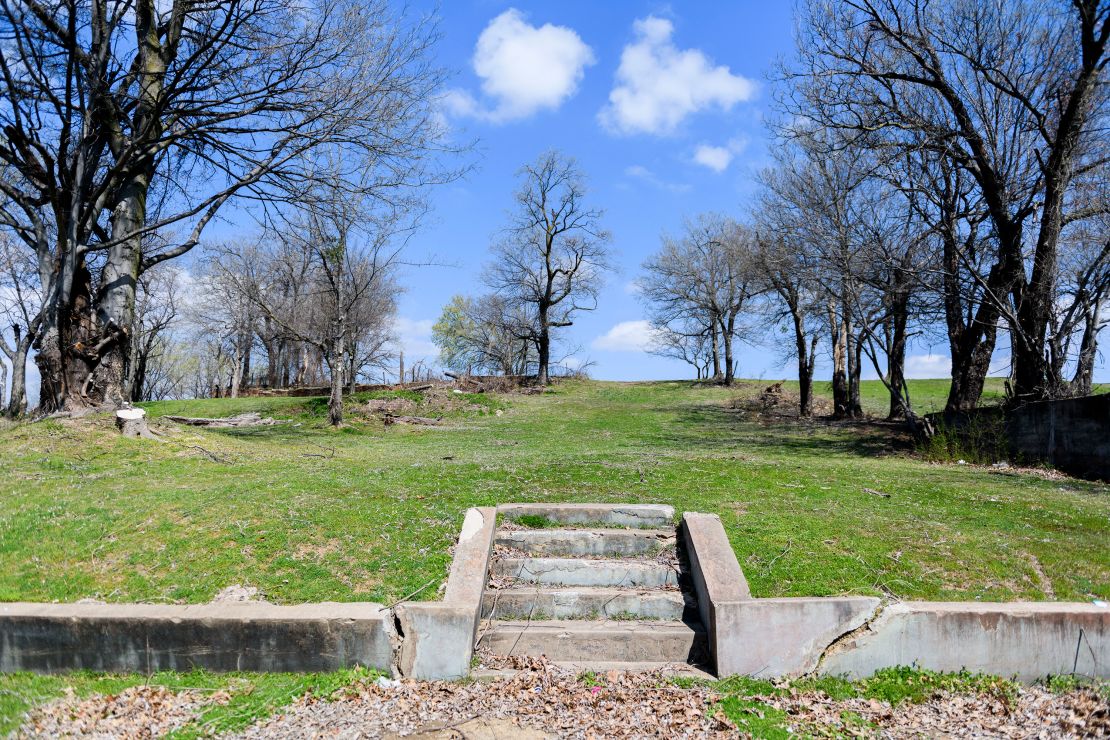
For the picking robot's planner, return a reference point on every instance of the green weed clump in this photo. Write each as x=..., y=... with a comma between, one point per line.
x=981, y=440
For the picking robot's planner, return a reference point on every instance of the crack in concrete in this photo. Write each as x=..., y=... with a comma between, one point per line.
x=848, y=635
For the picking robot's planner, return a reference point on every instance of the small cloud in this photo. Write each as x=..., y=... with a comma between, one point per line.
x=414, y=338
x=928, y=366
x=633, y=287
x=640, y=172
x=718, y=158
x=658, y=85
x=627, y=336
x=523, y=68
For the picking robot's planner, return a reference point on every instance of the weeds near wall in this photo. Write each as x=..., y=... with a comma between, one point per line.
x=978, y=438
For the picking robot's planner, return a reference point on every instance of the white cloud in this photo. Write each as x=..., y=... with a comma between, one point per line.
x=659, y=85
x=414, y=337
x=718, y=158
x=633, y=287
x=928, y=366
x=524, y=69
x=627, y=336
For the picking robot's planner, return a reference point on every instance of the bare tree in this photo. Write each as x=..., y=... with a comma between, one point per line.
x=699, y=283
x=350, y=261
x=21, y=313
x=122, y=117
x=157, y=309
x=553, y=256
x=1012, y=92
x=783, y=264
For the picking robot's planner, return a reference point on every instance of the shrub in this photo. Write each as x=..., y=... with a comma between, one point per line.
x=978, y=438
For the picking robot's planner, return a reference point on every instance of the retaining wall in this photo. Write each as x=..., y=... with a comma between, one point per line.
x=856, y=636
x=51, y=638
x=1071, y=434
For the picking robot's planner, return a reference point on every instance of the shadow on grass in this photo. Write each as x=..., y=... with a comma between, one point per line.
x=701, y=426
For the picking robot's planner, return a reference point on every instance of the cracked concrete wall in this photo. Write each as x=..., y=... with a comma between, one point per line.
x=1029, y=640
x=768, y=638
x=437, y=638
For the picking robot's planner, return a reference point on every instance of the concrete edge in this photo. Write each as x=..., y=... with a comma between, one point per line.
x=437, y=638
x=53, y=638
x=613, y=515
x=717, y=576
x=1026, y=640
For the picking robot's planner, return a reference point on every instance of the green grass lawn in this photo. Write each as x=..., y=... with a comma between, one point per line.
x=308, y=513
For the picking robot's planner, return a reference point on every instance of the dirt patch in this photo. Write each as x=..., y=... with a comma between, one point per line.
x=237, y=594
x=316, y=550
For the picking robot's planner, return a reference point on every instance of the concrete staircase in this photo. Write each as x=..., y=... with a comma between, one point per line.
x=598, y=587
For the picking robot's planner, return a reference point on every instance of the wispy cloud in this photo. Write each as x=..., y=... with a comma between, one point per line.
x=627, y=336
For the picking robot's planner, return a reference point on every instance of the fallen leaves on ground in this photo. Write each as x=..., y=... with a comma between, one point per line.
x=137, y=712
x=547, y=701
x=1033, y=713
x=540, y=698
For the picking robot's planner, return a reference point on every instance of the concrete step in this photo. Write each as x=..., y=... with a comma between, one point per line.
x=595, y=542
x=670, y=670
x=572, y=572
x=582, y=603
x=598, y=642
x=609, y=515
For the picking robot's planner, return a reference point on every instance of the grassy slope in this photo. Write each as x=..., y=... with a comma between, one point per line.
x=307, y=513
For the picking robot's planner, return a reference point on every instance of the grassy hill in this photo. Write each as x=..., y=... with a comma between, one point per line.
x=368, y=512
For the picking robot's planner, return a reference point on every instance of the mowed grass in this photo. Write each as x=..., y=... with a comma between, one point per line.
x=366, y=512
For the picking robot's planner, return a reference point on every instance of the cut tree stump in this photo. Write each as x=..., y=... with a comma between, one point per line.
x=131, y=422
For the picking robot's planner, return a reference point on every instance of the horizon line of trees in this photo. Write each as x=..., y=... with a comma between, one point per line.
x=940, y=165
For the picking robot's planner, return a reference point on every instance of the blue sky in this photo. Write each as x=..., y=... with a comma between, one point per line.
x=663, y=106
x=692, y=88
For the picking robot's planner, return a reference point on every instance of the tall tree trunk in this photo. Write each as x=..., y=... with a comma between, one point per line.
x=1088, y=350
x=236, y=373
x=245, y=379
x=543, y=348
x=805, y=364
x=855, y=368
x=896, y=358
x=352, y=375
x=840, y=362
x=715, y=343
x=727, y=331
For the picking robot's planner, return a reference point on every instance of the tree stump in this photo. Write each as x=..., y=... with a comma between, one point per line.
x=131, y=422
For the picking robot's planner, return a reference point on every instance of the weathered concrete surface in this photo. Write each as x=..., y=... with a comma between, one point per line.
x=593, y=542
x=1029, y=640
x=467, y=580
x=438, y=638
x=50, y=638
x=571, y=572
x=598, y=641
x=576, y=603
x=783, y=637
x=718, y=580
x=613, y=515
